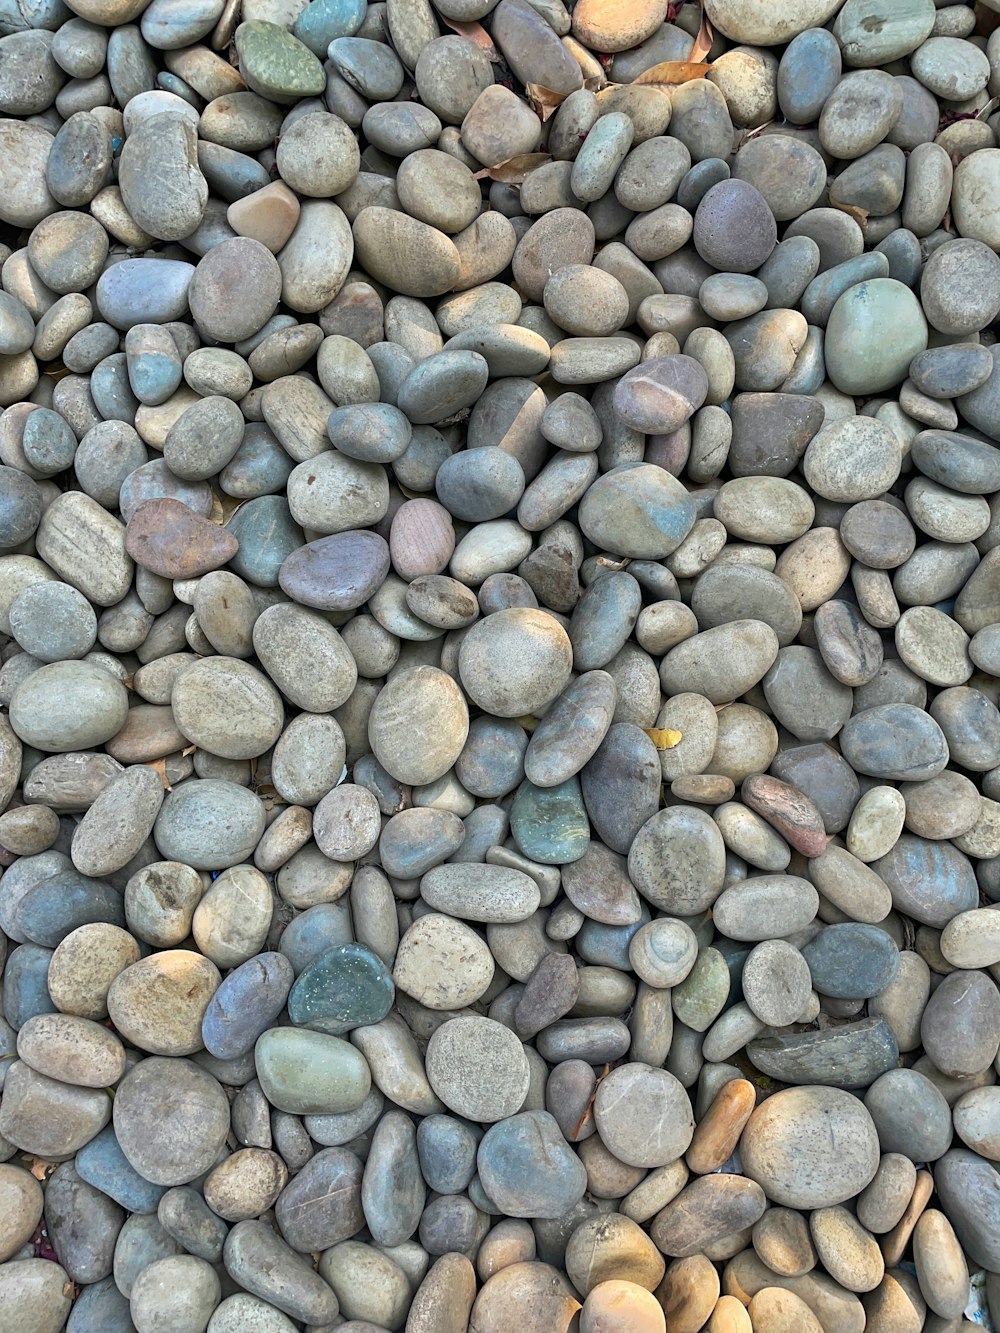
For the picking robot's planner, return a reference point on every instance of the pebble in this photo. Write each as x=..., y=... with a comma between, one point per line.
x=786, y=1147
x=527, y=1169
x=512, y=684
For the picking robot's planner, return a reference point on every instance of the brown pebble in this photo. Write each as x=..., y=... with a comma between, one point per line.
x=550, y=992
x=168, y=538
x=788, y=810
x=707, y=1210
x=719, y=1131
x=895, y=1241
x=704, y=788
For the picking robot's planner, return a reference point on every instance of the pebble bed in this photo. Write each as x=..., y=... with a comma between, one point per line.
x=500, y=639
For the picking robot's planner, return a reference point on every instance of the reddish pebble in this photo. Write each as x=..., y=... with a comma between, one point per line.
x=168, y=538
x=788, y=810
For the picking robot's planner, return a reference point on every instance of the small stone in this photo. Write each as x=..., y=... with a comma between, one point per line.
x=478, y=1068
x=528, y=1169
x=786, y=1147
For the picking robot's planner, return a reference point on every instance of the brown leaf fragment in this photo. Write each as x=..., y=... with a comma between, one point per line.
x=159, y=767
x=544, y=102
x=475, y=33
x=514, y=170
x=860, y=215
x=671, y=73
x=703, y=42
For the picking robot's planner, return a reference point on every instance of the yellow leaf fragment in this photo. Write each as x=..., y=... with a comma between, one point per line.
x=663, y=738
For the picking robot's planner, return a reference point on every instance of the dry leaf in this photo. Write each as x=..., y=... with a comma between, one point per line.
x=40, y=1168
x=670, y=73
x=223, y=508
x=703, y=42
x=514, y=170
x=159, y=767
x=267, y=794
x=475, y=33
x=588, y=1110
x=190, y=749
x=860, y=215
x=544, y=102
x=663, y=738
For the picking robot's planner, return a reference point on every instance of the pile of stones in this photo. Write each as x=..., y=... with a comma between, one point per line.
x=499, y=666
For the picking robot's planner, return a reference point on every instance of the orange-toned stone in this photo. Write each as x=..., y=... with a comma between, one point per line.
x=688, y=1293
x=719, y=1131
x=729, y=1316
x=268, y=215
x=788, y=810
x=616, y=25
x=168, y=538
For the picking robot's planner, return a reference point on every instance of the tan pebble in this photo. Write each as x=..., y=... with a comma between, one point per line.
x=902, y=1002
x=158, y=1003
x=655, y=1191
x=848, y=1252
x=729, y=1316
x=688, y=1293
x=27, y=830
x=774, y=1310
x=895, y=1243
x=703, y=788
x=603, y=1248
x=21, y=1202
x=851, y=885
x=616, y=25
x=876, y=823
x=882, y=1203
x=528, y=1297
x=977, y=1121
x=621, y=1307
x=942, y=1271
x=443, y=1301
x=71, y=1049
x=85, y=964
x=972, y=939
x=895, y=1306
x=268, y=215
x=720, y=1129
x=814, y=566
x=246, y=1184
x=782, y=1241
